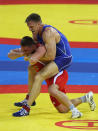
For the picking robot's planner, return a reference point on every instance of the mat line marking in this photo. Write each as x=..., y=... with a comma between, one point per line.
x=73, y=44
x=69, y=88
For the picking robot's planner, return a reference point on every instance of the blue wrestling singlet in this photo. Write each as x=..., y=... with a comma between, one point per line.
x=63, y=52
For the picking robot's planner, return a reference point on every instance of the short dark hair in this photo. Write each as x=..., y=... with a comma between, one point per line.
x=33, y=17
x=27, y=41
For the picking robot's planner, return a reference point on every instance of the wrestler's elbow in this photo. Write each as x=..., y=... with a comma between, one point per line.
x=51, y=57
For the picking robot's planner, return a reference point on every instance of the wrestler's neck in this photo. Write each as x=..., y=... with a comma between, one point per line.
x=39, y=30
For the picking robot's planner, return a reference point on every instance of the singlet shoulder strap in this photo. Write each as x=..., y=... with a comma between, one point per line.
x=45, y=26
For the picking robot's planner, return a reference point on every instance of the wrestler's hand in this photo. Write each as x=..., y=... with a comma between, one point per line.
x=31, y=61
x=17, y=51
x=26, y=58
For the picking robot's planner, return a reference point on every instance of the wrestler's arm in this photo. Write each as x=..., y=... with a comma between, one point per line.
x=15, y=53
x=35, y=57
x=50, y=44
x=40, y=52
x=49, y=51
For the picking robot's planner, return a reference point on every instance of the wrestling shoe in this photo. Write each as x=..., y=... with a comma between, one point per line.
x=90, y=100
x=23, y=112
x=20, y=104
x=76, y=113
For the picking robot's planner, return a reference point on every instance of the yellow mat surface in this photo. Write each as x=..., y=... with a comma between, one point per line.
x=12, y=20
x=43, y=116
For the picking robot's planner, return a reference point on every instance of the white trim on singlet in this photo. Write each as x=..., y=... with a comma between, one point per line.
x=64, y=53
x=64, y=56
x=64, y=46
x=55, y=78
x=61, y=50
x=64, y=49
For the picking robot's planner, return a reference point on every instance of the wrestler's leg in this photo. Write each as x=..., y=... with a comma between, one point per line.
x=63, y=109
x=62, y=102
x=48, y=71
x=60, y=96
x=77, y=101
x=31, y=75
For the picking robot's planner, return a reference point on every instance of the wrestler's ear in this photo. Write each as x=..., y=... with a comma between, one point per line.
x=39, y=22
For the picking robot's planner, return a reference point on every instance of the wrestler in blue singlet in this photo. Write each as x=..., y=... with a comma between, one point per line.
x=63, y=54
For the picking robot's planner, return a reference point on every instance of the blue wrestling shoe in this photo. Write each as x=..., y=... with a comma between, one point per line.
x=20, y=104
x=23, y=112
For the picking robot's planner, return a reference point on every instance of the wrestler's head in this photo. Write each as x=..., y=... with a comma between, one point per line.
x=28, y=45
x=33, y=22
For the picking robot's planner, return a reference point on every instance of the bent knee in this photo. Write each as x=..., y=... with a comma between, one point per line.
x=53, y=90
x=38, y=77
x=62, y=109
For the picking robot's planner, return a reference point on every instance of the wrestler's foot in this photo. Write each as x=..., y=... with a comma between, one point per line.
x=20, y=104
x=76, y=113
x=90, y=100
x=23, y=112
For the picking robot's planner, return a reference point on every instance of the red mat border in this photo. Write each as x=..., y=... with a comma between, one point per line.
x=7, y=2
x=73, y=44
x=69, y=88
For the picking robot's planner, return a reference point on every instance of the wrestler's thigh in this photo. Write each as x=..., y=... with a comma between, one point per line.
x=49, y=70
x=31, y=71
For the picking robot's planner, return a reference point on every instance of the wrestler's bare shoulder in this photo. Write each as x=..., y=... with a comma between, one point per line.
x=51, y=32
